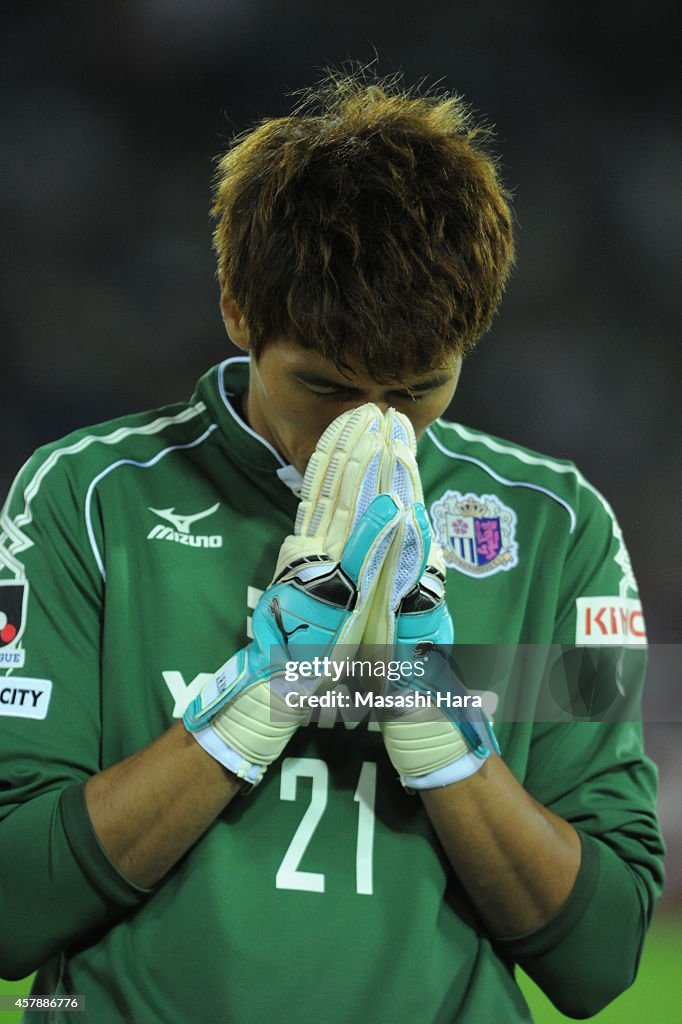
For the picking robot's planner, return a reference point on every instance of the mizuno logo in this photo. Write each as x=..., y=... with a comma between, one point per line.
x=179, y=530
x=183, y=523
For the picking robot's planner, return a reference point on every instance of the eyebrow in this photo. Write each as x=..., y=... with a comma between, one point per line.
x=317, y=380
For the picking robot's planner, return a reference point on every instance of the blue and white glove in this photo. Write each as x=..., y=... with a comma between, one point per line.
x=318, y=602
x=438, y=744
x=406, y=610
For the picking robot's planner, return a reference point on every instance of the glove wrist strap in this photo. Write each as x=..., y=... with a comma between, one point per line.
x=463, y=768
x=229, y=758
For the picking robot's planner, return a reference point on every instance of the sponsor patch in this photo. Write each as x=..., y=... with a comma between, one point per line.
x=477, y=534
x=12, y=611
x=25, y=698
x=609, y=620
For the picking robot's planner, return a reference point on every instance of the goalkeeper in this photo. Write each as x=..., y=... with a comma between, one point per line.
x=159, y=790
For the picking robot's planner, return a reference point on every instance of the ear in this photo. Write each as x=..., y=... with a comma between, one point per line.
x=235, y=324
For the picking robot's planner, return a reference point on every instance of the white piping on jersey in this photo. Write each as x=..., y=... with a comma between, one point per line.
x=497, y=476
x=238, y=420
x=140, y=465
x=12, y=528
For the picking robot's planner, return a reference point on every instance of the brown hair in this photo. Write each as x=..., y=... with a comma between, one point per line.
x=370, y=226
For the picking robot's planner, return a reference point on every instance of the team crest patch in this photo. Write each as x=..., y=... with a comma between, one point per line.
x=477, y=534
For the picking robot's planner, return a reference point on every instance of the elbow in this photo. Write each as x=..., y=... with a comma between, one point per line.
x=13, y=967
x=18, y=959
x=582, y=1000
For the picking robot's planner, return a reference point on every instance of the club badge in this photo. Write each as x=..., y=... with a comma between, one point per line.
x=477, y=534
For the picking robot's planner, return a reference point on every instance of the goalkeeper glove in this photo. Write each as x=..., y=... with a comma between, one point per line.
x=405, y=611
x=320, y=598
x=430, y=746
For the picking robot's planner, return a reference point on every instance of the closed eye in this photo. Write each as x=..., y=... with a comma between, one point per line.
x=338, y=392
x=411, y=396
x=327, y=391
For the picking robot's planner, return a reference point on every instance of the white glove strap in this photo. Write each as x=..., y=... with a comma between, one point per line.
x=251, y=732
x=427, y=750
x=229, y=758
x=461, y=769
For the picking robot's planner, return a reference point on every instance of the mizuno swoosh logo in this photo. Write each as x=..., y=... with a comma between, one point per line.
x=183, y=523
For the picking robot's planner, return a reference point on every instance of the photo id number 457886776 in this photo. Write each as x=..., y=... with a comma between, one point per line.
x=34, y=1002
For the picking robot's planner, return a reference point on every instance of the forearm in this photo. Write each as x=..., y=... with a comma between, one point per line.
x=517, y=861
x=149, y=809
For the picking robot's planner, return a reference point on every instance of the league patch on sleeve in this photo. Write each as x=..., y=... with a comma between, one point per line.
x=12, y=611
x=609, y=620
x=21, y=697
x=10, y=658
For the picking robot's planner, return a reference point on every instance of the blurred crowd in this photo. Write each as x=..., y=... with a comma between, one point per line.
x=110, y=116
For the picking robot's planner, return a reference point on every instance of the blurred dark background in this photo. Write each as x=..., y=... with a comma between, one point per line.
x=110, y=116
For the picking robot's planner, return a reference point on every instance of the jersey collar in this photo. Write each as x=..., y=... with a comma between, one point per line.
x=217, y=389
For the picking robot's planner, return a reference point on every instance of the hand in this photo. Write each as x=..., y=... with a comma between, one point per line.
x=406, y=610
x=439, y=744
x=320, y=599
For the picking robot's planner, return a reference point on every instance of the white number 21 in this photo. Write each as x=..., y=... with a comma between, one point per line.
x=288, y=874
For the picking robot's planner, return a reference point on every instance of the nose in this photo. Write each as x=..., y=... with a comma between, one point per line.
x=383, y=403
x=378, y=396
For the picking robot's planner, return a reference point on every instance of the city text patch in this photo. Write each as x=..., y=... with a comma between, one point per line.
x=21, y=697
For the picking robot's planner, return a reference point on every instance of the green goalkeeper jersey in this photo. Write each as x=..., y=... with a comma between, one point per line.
x=131, y=557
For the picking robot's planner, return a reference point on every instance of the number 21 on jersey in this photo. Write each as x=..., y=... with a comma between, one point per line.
x=289, y=876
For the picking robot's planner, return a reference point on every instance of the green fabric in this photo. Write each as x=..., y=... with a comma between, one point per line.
x=46, y=900
x=324, y=895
